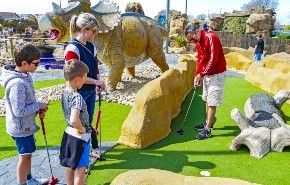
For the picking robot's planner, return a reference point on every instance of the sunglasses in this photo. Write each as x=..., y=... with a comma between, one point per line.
x=94, y=31
x=35, y=63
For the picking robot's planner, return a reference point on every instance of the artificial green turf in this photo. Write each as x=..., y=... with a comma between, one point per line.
x=7, y=146
x=111, y=122
x=180, y=154
x=188, y=156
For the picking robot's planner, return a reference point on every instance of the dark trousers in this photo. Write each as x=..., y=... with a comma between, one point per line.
x=90, y=98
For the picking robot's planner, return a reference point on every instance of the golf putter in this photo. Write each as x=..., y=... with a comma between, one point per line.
x=181, y=131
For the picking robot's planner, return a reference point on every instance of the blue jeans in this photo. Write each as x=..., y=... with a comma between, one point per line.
x=90, y=99
x=258, y=56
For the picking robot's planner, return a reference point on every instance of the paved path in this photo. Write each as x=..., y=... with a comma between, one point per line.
x=40, y=165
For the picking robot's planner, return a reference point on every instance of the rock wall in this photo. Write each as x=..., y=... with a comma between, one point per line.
x=156, y=104
x=237, y=61
x=272, y=45
x=272, y=74
x=259, y=20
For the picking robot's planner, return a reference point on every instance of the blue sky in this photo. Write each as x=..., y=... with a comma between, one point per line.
x=194, y=7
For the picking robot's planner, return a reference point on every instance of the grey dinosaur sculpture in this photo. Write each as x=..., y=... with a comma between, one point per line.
x=262, y=127
x=123, y=41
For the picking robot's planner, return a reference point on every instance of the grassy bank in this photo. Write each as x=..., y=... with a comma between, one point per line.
x=38, y=85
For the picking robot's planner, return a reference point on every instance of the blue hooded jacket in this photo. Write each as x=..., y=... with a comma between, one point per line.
x=21, y=104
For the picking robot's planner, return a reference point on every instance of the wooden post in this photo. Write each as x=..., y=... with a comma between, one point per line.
x=5, y=43
x=11, y=50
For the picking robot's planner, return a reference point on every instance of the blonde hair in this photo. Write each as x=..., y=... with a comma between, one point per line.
x=74, y=68
x=81, y=21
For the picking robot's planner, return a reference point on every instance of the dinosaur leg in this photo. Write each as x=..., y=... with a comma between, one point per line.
x=131, y=71
x=114, y=75
x=155, y=48
x=158, y=58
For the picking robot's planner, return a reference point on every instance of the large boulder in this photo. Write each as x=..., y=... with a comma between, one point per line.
x=280, y=61
x=249, y=53
x=177, y=24
x=216, y=23
x=175, y=50
x=259, y=22
x=156, y=104
x=238, y=61
x=271, y=75
x=158, y=177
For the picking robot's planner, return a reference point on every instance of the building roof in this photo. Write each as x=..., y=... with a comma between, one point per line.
x=9, y=15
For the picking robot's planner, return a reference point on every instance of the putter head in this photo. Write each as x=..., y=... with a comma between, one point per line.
x=180, y=131
x=53, y=180
x=102, y=158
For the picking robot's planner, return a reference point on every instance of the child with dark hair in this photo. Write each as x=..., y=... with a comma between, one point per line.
x=75, y=145
x=22, y=108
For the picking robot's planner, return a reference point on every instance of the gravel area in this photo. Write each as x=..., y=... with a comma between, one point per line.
x=126, y=89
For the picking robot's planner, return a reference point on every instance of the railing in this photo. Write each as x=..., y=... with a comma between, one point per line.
x=8, y=46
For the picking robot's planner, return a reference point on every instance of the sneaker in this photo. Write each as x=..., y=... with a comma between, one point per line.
x=204, y=134
x=201, y=126
x=35, y=181
x=95, y=153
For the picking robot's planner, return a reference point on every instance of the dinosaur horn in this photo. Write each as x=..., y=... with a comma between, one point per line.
x=86, y=2
x=57, y=9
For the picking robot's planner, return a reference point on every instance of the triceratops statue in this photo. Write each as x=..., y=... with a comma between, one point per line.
x=123, y=41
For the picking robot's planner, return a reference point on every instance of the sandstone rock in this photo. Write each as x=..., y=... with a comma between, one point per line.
x=271, y=80
x=237, y=61
x=177, y=24
x=158, y=177
x=247, y=53
x=278, y=61
x=175, y=50
x=258, y=22
x=216, y=23
x=156, y=104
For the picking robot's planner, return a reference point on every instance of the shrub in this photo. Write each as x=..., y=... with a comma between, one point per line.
x=235, y=24
x=287, y=27
x=181, y=41
x=134, y=7
x=283, y=36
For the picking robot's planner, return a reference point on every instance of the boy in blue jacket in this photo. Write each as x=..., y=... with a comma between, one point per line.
x=22, y=108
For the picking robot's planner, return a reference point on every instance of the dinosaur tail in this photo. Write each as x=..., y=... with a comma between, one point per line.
x=164, y=31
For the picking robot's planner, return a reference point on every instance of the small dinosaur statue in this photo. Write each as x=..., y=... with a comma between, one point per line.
x=123, y=41
x=262, y=126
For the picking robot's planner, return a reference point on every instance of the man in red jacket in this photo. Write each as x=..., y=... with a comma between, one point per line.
x=211, y=72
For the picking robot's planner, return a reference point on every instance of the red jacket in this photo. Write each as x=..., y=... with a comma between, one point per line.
x=210, y=55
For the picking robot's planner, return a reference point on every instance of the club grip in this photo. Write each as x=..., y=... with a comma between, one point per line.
x=42, y=122
x=98, y=120
x=100, y=99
